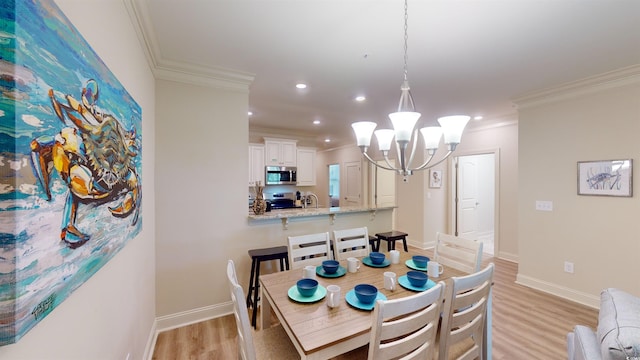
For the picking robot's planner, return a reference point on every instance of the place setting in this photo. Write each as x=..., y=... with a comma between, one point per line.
x=418, y=262
x=364, y=296
x=307, y=289
x=376, y=259
x=330, y=269
x=416, y=281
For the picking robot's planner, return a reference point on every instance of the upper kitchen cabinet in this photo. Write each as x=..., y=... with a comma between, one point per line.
x=280, y=152
x=256, y=164
x=306, y=175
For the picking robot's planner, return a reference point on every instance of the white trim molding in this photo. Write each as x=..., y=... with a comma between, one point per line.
x=561, y=291
x=612, y=79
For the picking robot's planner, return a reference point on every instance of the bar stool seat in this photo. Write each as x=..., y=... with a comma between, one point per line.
x=390, y=237
x=258, y=256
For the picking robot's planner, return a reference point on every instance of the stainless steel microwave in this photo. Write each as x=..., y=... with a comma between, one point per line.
x=280, y=175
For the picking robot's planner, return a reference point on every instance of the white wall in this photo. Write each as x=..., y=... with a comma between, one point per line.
x=112, y=314
x=596, y=119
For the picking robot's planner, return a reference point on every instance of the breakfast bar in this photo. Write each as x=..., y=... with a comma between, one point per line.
x=330, y=213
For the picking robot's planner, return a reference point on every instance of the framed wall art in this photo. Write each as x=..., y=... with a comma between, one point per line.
x=435, y=179
x=605, y=178
x=70, y=164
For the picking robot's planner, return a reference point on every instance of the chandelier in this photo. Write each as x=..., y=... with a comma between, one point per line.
x=404, y=120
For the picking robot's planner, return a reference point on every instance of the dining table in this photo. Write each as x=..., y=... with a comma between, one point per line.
x=322, y=332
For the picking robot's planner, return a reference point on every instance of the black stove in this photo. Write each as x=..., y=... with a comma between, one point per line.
x=282, y=204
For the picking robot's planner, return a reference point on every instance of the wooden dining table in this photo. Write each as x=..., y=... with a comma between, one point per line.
x=321, y=332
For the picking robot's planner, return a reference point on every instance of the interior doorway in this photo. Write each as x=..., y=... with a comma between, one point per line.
x=334, y=185
x=474, y=198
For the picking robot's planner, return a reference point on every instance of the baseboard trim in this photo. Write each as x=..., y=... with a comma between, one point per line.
x=193, y=316
x=561, y=291
x=508, y=256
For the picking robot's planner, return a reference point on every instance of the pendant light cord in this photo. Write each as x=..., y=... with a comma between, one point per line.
x=406, y=38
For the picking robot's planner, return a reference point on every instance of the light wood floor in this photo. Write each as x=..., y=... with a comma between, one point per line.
x=527, y=324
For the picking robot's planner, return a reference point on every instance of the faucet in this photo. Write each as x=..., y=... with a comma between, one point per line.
x=304, y=203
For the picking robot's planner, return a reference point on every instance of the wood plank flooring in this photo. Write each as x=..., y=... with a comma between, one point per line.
x=527, y=324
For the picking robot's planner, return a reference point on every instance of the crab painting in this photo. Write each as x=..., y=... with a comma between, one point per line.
x=94, y=155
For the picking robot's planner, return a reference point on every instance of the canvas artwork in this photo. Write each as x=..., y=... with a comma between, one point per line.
x=70, y=163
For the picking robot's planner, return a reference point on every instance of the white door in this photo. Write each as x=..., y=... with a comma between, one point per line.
x=353, y=183
x=468, y=197
x=475, y=190
x=384, y=185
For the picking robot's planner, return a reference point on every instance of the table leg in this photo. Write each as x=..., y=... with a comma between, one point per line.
x=265, y=310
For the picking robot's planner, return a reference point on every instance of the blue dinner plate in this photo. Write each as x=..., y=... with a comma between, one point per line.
x=294, y=295
x=341, y=271
x=352, y=300
x=367, y=261
x=411, y=265
x=405, y=283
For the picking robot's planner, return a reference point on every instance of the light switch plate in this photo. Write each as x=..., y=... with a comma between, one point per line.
x=544, y=205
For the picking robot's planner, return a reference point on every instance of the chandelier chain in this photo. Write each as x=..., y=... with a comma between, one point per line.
x=406, y=38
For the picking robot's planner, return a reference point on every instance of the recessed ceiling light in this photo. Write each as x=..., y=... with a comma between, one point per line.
x=327, y=140
x=316, y=122
x=249, y=113
x=301, y=86
x=478, y=117
x=360, y=98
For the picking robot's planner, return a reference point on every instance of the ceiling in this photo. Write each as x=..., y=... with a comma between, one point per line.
x=464, y=57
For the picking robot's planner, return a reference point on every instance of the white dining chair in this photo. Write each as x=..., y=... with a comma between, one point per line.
x=351, y=243
x=406, y=328
x=459, y=253
x=462, y=332
x=270, y=343
x=310, y=249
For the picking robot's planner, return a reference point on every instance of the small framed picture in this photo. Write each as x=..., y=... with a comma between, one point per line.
x=605, y=178
x=435, y=178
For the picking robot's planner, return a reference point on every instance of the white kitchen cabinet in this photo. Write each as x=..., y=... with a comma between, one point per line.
x=256, y=164
x=280, y=152
x=306, y=167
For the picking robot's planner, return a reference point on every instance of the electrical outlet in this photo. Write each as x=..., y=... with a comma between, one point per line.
x=568, y=267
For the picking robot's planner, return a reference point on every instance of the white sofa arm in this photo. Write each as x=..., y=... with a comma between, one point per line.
x=582, y=344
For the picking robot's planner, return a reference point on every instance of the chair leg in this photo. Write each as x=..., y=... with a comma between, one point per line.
x=404, y=243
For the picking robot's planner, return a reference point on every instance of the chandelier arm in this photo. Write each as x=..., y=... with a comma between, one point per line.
x=424, y=166
x=366, y=156
x=386, y=159
x=413, y=149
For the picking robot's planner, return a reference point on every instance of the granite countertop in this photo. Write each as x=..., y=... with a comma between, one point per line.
x=291, y=213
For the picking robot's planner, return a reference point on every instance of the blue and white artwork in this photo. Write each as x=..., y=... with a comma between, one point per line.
x=70, y=163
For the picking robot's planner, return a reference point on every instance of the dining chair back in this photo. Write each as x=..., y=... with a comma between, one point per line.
x=310, y=249
x=351, y=243
x=406, y=328
x=268, y=343
x=462, y=335
x=459, y=253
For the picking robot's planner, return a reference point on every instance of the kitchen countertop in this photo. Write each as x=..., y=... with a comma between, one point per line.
x=290, y=213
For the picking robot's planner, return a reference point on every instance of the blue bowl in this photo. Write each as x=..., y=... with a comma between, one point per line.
x=417, y=278
x=377, y=258
x=420, y=261
x=330, y=266
x=366, y=293
x=307, y=287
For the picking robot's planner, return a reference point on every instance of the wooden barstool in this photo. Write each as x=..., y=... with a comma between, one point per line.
x=374, y=242
x=258, y=256
x=390, y=237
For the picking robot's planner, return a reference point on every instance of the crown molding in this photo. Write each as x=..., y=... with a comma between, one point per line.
x=621, y=77
x=164, y=69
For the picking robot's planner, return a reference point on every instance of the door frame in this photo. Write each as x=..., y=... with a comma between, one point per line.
x=452, y=193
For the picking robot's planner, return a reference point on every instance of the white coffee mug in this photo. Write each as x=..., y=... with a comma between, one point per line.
x=395, y=256
x=333, y=296
x=353, y=264
x=309, y=272
x=434, y=269
x=390, y=280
